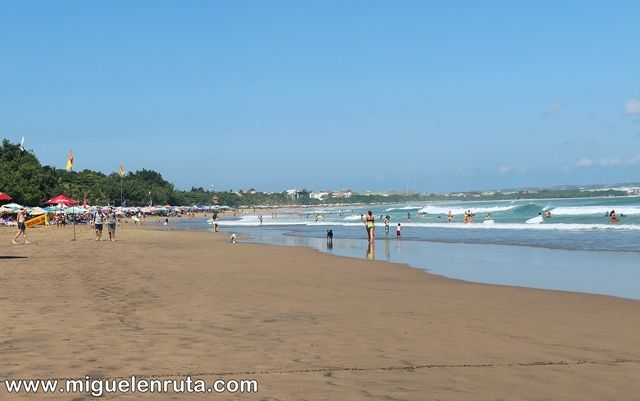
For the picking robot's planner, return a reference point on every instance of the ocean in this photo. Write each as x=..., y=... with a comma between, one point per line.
x=576, y=249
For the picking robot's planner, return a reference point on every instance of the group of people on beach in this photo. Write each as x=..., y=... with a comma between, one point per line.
x=99, y=218
x=369, y=224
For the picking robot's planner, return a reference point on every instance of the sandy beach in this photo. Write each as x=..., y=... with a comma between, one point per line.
x=305, y=325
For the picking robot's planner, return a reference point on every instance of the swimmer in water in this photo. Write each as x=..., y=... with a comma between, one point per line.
x=613, y=217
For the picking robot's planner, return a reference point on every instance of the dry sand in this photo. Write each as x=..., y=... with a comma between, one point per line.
x=307, y=326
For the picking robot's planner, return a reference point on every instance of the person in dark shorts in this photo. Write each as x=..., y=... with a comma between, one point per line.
x=98, y=220
x=112, y=221
x=22, y=228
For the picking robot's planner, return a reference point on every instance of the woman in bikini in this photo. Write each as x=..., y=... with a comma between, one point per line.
x=368, y=222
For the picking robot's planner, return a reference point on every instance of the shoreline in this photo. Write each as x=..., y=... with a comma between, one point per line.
x=596, y=273
x=306, y=325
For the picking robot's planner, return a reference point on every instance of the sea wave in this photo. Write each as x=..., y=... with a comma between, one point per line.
x=251, y=222
x=432, y=209
x=391, y=209
x=599, y=210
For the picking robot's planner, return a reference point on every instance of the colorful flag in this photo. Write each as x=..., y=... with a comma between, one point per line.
x=122, y=171
x=70, y=161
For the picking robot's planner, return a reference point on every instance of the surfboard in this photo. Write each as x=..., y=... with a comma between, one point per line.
x=534, y=220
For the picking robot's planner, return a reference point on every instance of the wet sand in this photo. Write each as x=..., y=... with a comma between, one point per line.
x=306, y=325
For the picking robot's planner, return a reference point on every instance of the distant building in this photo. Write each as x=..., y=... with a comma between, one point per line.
x=292, y=193
x=319, y=195
x=347, y=193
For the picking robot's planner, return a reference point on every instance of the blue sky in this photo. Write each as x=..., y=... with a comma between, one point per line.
x=369, y=95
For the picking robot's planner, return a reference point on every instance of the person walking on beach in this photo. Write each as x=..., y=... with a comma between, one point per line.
x=386, y=226
x=398, y=231
x=369, y=224
x=98, y=221
x=22, y=228
x=112, y=221
x=214, y=222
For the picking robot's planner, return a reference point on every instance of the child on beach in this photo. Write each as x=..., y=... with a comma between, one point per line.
x=398, y=230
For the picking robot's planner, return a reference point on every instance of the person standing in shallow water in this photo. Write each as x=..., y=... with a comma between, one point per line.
x=369, y=224
x=386, y=225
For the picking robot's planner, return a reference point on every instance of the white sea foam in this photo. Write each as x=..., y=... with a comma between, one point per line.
x=600, y=210
x=391, y=209
x=252, y=221
x=524, y=226
x=458, y=210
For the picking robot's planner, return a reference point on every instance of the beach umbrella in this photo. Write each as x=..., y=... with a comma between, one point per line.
x=36, y=211
x=4, y=197
x=61, y=200
x=6, y=210
x=13, y=206
x=75, y=210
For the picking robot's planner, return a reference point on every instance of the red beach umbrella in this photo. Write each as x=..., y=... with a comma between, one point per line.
x=61, y=200
x=4, y=197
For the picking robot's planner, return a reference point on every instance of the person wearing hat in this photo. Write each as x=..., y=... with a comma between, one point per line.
x=22, y=228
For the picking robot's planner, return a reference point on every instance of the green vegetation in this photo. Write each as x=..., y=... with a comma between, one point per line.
x=28, y=182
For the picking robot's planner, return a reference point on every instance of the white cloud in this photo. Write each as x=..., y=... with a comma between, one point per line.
x=607, y=161
x=633, y=160
x=611, y=162
x=554, y=109
x=585, y=162
x=632, y=107
x=504, y=169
